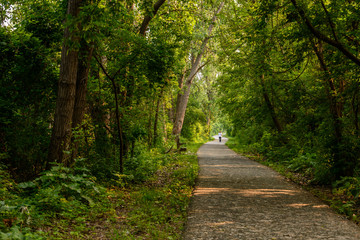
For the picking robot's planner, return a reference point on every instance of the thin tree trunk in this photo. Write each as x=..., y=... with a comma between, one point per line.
x=355, y=108
x=157, y=117
x=117, y=116
x=331, y=92
x=183, y=98
x=61, y=132
x=119, y=129
x=149, y=130
x=208, y=122
x=270, y=106
x=164, y=123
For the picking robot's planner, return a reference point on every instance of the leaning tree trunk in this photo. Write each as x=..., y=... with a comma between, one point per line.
x=344, y=164
x=183, y=97
x=61, y=132
x=335, y=106
x=181, y=105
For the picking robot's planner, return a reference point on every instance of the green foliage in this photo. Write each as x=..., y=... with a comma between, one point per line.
x=143, y=165
x=60, y=192
x=15, y=233
x=54, y=188
x=159, y=207
x=348, y=186
x=283, y=102
x=6, y=184
x=28, y=81
x=346, y=192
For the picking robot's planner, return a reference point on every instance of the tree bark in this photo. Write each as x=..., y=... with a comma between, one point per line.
x=148, y=18
x=181, y=105
x=81, y=90
x=81, y=85
x=117, y=116
x=335, y=107
x=270, y=106
x=150, y=137
x=164, y=123
x=344, y=163
x=183, y=97
x=61, y=132
x=156, y=120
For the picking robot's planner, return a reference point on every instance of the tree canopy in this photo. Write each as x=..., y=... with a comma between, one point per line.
x=116, y=84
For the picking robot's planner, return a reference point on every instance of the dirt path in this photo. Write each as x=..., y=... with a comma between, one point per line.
x=237, y=198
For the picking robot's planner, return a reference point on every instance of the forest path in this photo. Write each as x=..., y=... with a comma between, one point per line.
x=236, y=198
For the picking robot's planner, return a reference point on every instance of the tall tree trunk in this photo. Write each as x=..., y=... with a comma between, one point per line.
x=181, y=105
x=61, y=133
x=183, y=97
x=81, y=90
x=270, y=106
x=117, y=116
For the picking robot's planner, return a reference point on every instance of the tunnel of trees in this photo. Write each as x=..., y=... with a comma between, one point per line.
x=103, y=94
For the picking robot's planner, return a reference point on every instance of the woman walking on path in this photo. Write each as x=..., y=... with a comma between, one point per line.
x=220, y=135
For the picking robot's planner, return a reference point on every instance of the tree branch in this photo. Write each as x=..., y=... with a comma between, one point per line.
x=148, y=18
x=198, y=70
x=332, y=24
x=324, y=38
x=103, y=68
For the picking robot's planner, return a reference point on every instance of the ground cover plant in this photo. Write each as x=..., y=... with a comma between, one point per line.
x=68, y=203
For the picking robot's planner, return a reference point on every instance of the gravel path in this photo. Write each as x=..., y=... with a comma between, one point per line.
x=237, y=198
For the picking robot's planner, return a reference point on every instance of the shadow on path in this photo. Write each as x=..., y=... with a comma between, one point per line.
x=237, y=198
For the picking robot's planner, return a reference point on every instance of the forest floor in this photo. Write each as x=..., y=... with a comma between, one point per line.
x=237, y=198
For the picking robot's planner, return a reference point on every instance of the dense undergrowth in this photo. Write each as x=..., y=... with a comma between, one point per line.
x=70, y=203
x=305, y=170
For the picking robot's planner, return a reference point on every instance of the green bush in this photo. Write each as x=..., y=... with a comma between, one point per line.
x=348, y=186
x=16, y=233
x=61, y=184
x=303, y=163
x=6, y=184
x=59, y=192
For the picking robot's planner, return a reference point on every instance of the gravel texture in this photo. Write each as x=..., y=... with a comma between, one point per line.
x=236, y=198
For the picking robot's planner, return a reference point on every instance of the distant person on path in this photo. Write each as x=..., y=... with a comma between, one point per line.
x=220, y=135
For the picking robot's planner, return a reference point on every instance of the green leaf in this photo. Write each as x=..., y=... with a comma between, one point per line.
x=27, y=185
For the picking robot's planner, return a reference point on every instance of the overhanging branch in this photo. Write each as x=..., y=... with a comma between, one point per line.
x=323, y=37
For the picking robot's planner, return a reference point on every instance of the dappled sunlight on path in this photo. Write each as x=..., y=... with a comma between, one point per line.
x=237, y=198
